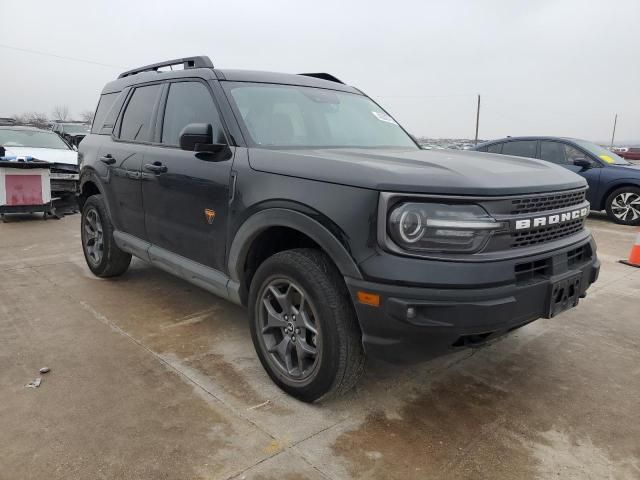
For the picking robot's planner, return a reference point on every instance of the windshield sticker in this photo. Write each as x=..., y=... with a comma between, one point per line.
x=383, y=117
x=606, y=158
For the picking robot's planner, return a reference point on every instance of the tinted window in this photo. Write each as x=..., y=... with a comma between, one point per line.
x=188, y=102
x=521, y=148
x=104, y=105
x=495, y=148
x=553, y=152
x=136, y=121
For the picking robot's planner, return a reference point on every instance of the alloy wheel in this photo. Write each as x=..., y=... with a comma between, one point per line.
x=288, y=329
x=626, y=206
x=93, y=237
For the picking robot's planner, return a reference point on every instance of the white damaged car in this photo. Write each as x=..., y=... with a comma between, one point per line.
x=21, y=142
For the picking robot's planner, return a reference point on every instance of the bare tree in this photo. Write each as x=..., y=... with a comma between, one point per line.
x=86, y=116
x=61, y=112
x=36, y=119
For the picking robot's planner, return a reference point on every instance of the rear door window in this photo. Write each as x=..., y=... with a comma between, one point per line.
x=136, y=121
x=495, y=148
x=553, y=152
x=520, y=148
x=189, y=102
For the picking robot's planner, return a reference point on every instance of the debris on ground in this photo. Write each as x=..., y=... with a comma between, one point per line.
x=263, y=404
x=35, y=383
x=45, y=370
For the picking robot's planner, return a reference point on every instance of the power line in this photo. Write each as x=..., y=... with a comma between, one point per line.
x=47, y=54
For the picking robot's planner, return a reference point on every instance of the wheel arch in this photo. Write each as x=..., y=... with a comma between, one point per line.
x=89, y=185
x=284, y=218
x=615, y=186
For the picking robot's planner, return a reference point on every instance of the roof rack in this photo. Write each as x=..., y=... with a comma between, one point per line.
x=187, y=62
x=323, y=76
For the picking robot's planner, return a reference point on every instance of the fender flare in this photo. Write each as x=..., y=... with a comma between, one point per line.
x=91, y=175
x=283, y=217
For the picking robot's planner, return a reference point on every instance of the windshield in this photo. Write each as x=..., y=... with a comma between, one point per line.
x=75, y=128
x=294, y=116
x=603, y=154
x=31, y=138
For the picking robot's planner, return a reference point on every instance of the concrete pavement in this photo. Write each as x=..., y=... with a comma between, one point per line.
x=154, y=378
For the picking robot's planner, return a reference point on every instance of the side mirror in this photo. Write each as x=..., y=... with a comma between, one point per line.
x=195, y=135
x=582, y=162
x=198, y=137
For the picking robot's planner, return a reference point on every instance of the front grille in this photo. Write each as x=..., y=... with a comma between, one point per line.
x=546, y=234
x=63, y=186
x=578, y=255
x=541, y=203
x=532, y=271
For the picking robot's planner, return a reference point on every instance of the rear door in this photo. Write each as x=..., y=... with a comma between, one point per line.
x=123, y=155
x=186, y=193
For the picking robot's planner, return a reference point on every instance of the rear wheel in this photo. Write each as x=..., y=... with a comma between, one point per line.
x=103, y=256
x=623, y=206
x=303, y=325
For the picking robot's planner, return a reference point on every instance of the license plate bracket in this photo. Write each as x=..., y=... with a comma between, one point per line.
x=563, y=295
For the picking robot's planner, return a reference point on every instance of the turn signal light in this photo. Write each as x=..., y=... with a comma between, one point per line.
x=372, y=299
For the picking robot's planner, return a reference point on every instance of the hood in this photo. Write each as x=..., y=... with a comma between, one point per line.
x=453, y=172
x=633, y=169
x=53, y=155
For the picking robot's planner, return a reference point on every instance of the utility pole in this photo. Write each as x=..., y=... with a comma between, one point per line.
x=613, y=135
x=477, y=120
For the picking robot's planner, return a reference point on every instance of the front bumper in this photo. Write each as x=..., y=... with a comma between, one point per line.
x=413, y=323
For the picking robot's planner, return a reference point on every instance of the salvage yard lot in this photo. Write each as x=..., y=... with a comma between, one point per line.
x=154, y=378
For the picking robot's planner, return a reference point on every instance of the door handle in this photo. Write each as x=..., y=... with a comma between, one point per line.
x=156, y=167
x=108, y=159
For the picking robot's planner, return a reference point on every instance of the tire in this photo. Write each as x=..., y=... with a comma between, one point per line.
x=285, y=279
x=623, y=206
x=103, y=256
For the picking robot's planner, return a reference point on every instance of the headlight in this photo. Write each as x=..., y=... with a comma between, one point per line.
x=437, y=227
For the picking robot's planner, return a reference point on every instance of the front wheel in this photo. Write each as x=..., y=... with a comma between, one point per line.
x=623, y=206
x=303, y=325
x=103, y=256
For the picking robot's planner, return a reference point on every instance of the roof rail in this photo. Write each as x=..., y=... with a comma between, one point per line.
x=323, y=76
x=187, y=62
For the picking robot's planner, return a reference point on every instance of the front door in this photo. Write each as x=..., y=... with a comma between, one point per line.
x=564, y=155
x=186, y=193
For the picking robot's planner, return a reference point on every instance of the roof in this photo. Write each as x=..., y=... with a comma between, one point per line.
x=282, y=78
x=230, y=75
x=530, y=137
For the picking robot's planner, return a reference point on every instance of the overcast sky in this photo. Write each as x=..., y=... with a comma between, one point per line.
x=556, y=67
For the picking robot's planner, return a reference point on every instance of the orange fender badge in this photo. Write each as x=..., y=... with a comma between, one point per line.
x=210, y=215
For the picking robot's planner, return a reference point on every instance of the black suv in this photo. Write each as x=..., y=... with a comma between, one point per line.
x=302, y=199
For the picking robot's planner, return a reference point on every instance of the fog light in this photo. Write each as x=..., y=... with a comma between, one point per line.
x=411, y=313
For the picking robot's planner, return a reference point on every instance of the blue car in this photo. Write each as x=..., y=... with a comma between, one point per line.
x=614, y=183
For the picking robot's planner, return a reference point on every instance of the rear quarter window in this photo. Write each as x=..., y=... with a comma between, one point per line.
x=104, y=107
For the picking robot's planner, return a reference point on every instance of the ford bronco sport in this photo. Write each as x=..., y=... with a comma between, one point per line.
x=302, y=199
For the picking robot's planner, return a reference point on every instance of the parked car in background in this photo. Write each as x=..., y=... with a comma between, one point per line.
x=71, y=132
x=628, y=153
x=614, y=183
x=21, y=141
